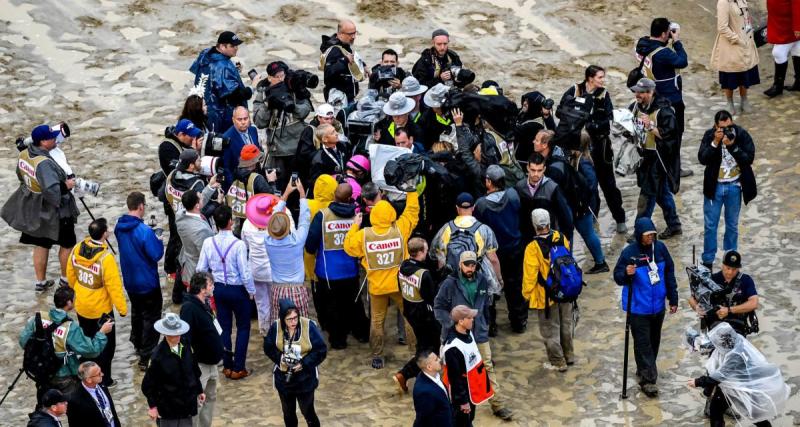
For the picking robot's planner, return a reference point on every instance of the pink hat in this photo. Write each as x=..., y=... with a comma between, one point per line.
x=359, y=163
x=259, y=209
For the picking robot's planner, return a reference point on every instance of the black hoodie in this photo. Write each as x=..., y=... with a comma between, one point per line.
x=336, y=72
x=651, y=172
x=203, y=337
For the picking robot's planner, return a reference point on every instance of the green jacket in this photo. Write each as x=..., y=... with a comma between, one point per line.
x=77, y=344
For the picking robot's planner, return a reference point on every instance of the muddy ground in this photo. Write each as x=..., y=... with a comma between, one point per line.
x=116, y=72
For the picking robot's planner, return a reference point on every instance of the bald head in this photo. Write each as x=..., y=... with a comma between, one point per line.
x=346, y=31
x=343, y=193
x=241, y=118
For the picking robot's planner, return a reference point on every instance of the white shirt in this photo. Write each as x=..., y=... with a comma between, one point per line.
x=253, y=237
x=437, y=380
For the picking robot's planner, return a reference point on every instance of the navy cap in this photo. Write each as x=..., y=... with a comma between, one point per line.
x=186, y=126
x=228, y=37
x=43, y=133
x=465, y=200
x=275, y=67
x=732, y=259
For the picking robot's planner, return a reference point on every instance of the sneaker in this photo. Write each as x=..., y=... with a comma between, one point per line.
x=551, y=367
x=598, y=268
x=62, y=283
x=504, y=414
x=622, y=228
x=43, y=286
x=519, y=329
x=377, y=362
x=651, y=390
x=670, y=232
x=686, y=172
x=401, y=383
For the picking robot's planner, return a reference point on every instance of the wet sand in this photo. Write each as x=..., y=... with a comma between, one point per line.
x=116, y=72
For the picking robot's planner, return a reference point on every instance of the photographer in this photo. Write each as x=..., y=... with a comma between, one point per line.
x=309, y=143
x=435, y=63
x=397, y=110
x=739, y=302
x=342, y=67
x=43, y=207
x=727, y=151
x=225, y=90
x=598, y=128
x=247, y=182
x=296, y=346
x=536, y=113
x=435, y=122
x=387, y=77
x=186, y=176
x=281, y=106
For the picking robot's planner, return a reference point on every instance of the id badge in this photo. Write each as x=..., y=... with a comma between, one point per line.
x=216, y=325
x=653, y=273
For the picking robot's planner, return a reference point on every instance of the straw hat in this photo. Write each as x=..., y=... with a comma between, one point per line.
x=278, y=226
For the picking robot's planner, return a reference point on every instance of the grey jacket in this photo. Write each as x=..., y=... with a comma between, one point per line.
x=451, y=293
x=38, y=214
x=193, y=231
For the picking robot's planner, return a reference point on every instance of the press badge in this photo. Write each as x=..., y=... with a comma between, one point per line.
x=216, y=325
x=653, y=273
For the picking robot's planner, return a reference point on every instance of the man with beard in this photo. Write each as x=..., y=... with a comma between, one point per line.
x=339, y=59
x=435, y=62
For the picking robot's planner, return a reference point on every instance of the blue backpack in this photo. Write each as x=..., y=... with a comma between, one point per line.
x=564, y=283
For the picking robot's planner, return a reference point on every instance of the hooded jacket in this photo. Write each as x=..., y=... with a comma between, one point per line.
x=172, y=382
x=224, y=90
x=500, y=211
x=42, y=419
x=743, y=150
x=665, y=64
x=332, y=264
x=307, y=379
x=324, y=187
x=203, y=337
x=383, y=217
x=664, y=166
x=452, y=293
x=78, y=344
x=92, y=303
x=535, y=269
x=139, y=252
x=336, y=72
x=647, y=298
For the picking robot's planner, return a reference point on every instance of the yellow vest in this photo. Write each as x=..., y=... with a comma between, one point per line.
x=89, y=276
x=239, y=194
x=334, y=228
x=409, y=285
x=383, y=252
x=26, y=170
x=298, y=348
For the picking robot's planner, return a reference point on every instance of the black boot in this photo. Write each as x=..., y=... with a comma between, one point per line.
x=796, y=65
x=780, y=76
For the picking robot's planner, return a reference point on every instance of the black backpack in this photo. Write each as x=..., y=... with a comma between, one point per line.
x=40, y=361
x=573, y=114
x=461, y=239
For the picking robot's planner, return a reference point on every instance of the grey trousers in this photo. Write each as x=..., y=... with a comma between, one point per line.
x=556, y=329
x=209, y=376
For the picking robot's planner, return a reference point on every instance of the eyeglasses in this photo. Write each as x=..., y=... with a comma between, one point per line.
x=292, y=319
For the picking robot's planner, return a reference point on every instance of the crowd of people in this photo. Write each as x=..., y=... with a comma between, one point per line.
x=426, y=191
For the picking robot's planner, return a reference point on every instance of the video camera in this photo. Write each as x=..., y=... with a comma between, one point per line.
x=84, y=186
x=704, y=289
x=214, y=144
x=499, y=111
x=62, y=127
x=299, y=81
x=385, y=73
x=461, y=76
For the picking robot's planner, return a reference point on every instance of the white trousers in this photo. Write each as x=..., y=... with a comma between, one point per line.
x=781, y=51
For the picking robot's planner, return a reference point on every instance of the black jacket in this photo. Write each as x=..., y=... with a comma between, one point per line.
x=203, y=338
x=424, y=68
x=548, y=197
x=743, y=151
x=423, y=311
x=651, y=173
x=260, y=185
x=172, y=383
x=337, y=74
x=384, y=87
x=168, y=153
x=330, y=162
x=83, y=410
x=42, y=419
x=432, y=128
x=387, y=139
x=572, y=184
x=457, y=369
x=602, y=109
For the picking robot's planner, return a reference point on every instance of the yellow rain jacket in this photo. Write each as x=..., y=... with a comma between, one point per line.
x=324, y=187
x=93, y=273
x=384, y=221
x=535, y=265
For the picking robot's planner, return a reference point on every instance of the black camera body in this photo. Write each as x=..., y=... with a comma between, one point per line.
x=291, y=362
x=461, y=76
x=729, y=132
x=385, y=73
x=214, y=144
x=279, y=98
x=299, y=81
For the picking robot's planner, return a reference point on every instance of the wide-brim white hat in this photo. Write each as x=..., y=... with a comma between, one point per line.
x=411, y=87
x=398, y=105
x=171, y=325
x=435, y=96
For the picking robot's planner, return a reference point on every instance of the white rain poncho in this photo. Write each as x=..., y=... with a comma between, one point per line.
x=753, y=387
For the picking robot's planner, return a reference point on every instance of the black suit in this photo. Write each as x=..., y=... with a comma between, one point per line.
x=83, y=410
x=431, y=403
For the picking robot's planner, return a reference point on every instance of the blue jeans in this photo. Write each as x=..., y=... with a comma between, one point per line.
x=647, y=204
x=729, y=195
x=585, y=227
x=233, y=301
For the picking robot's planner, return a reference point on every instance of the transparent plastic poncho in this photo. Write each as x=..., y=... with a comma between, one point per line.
x=754, y=388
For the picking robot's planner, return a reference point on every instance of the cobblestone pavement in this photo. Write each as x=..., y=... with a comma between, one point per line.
x=114, y=71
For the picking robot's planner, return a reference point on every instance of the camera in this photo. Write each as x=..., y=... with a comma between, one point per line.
x=461, y=76
x=279, y=98
x=214, y=144
x=386, y=73
x=153, y=224
x=729, y=132
x=299, y=81
x=290, y=362
x=210, y=165
x=62, y=127
x=85, y=186
x=704, y=289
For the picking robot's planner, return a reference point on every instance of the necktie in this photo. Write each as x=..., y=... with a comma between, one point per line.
x=246, y=138
x=102, y=402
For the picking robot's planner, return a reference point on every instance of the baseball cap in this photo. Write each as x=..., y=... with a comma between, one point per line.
x=325, y=110
x=186, y=126
x=465, y=200
x=644, y=85
x=43, y=133
x=275, y=67
x=187, y=157
x=540, y=217
x=495, y=173
x=468, y=256
x=228, y=37
x=52, y=397
x=732, y=259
